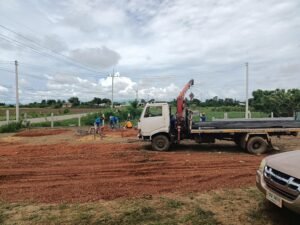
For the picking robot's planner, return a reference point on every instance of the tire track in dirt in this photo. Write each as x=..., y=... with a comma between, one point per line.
x=67, y=172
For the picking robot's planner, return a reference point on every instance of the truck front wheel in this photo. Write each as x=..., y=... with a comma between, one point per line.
x=160, y=143
x=257, y=145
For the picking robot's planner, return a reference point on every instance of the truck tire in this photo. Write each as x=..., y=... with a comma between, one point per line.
x=160, y=143
x=257, y=145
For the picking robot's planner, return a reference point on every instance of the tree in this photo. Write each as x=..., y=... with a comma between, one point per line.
x=279, y=101
x=196, y=101
x=51, y=102
x=134, y=104
x=106, y=101
x=74, y=100
x=96, y=101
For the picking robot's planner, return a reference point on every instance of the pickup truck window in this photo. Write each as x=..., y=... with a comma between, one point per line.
x=153, y=111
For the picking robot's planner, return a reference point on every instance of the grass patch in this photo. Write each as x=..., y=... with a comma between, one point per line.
x=11, y=127
x=226, y=207
x=200, y=216
x=174, y=204
x=266, y=212
x=3, y=217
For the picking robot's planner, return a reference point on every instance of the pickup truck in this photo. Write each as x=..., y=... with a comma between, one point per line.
x=278, y=177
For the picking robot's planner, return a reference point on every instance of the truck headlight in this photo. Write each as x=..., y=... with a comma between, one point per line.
x=262, y=165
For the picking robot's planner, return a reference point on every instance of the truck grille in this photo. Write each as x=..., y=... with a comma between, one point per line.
x=282, y=183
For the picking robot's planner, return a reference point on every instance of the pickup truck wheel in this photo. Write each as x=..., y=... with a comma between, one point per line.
x=160, y=143
x=257, y=145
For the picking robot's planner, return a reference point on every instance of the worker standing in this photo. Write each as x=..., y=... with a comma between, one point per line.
x=98, y=123
x=203, y=117
x=116, y=122
x=111, y=122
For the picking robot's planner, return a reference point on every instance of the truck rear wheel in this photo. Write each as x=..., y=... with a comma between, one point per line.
x=257, y=145
x=160, y=143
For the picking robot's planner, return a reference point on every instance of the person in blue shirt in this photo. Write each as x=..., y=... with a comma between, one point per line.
x=116, y=122
x=112, y=122
x=97, y=125
x=98, y=121
x=203, y=117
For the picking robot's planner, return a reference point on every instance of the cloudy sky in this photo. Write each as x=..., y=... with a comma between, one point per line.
x=69, y=48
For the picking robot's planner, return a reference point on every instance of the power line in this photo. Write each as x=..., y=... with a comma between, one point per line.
x=70, y=60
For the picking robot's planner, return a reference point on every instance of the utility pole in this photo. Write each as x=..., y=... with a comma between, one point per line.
x=112, y=88
x=247, y=87
x=137, y=94
x=17, y=91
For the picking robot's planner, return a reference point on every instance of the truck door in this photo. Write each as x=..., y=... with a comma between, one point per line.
x=155, y=119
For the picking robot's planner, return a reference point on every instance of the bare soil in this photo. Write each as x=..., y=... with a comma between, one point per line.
x=40, y=132
x=72, y=169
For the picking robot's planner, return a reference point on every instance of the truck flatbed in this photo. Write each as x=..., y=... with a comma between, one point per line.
x=252, y=124
x=246, y=130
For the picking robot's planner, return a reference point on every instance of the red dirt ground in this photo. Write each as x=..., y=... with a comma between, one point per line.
x=69, y=171
x=89, y=172
x=40, y=132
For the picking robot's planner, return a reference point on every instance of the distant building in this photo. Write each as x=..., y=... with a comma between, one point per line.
x=67, y=105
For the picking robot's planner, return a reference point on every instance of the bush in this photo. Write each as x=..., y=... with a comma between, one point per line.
x=11, y=127
x=66, y=111
x=122, y=114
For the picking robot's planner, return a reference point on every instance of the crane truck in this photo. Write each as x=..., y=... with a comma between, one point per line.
x=158, y=125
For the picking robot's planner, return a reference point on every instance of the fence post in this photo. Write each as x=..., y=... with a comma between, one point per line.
x=249, y=115
x=213, y=118
x=25, y=116
x=272, y=115
x=52, y=123
x=79, y=121
x=7, y=116
x=225, y=115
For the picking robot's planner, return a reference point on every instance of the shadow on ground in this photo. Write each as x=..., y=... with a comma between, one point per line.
x=269, y=213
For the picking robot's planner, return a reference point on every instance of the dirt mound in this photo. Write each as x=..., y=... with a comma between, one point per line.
x=40, y=132
x=90, y=172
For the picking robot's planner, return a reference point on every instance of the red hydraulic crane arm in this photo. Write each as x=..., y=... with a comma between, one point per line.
x=180, y=124
x=181, y=101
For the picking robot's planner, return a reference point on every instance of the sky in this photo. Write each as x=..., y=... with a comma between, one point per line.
x=71, y=48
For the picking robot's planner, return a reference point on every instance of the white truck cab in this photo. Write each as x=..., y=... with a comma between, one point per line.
x=154, y=125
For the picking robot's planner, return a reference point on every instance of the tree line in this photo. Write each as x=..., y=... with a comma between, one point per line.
x=279, y=101
x=74, y=101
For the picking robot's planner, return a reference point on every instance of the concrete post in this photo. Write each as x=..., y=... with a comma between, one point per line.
x=272, y=115
x=25, y=116
x=79, y=121
x=250, y=115
x=7, y=116
x=213, y=118
x=225, y=115
x=52, y=122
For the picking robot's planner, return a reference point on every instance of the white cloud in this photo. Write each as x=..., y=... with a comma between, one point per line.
x=55, y=43
x=97, y=57
x=158, y=44
x=3, y=89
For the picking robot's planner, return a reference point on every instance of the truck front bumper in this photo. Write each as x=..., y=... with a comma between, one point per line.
x=293, y=205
